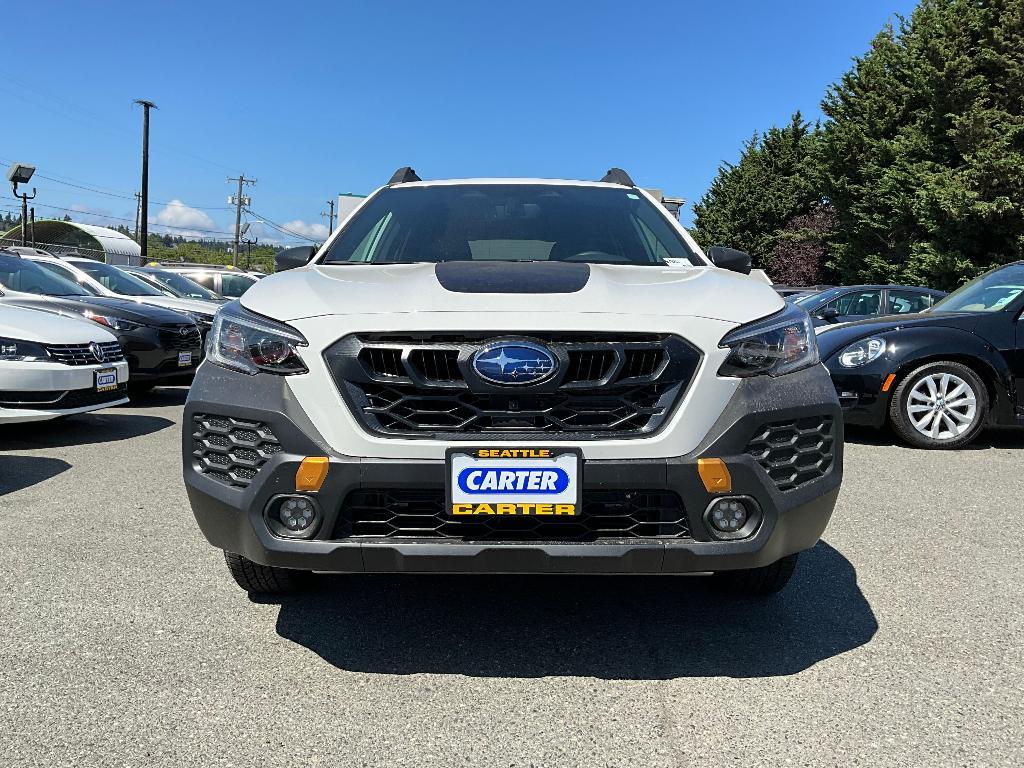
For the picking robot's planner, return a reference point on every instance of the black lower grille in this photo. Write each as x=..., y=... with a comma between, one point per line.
x=229, y=450
x=419, y=514
x=425, y=385
x=795, y=452
x=61, y=401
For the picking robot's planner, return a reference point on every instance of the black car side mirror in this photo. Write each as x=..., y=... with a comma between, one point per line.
x=829, y=313
x=729, y=258
x=291, y=258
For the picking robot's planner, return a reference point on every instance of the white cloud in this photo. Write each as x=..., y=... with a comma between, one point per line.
x=312, y=231
x=177, y=214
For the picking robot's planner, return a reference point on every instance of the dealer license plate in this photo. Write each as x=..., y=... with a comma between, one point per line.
x=184, y=359
x=106, y=379
x=542, y=482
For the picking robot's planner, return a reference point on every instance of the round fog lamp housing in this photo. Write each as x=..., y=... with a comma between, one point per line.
x=732, y=517
x=292, y=516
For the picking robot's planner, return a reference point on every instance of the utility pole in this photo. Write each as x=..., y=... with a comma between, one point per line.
x=238, y=201
x=138, y=208
x=248, y=250
x=330, y=218
x=144, y=194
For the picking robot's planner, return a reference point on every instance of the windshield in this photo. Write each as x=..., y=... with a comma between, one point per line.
x=509, y=222
x=816, y=300
x=117, y=280
x=181, y=286
x=17, y=274
x=991, y=292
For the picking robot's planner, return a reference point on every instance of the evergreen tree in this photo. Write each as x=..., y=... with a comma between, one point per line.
x=923, y=155
x=749, y=203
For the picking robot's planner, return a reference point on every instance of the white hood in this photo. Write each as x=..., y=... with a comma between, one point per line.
x=48, y=328
x=360, y=289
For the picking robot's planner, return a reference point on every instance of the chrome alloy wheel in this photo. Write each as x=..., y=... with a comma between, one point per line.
x=942, y=406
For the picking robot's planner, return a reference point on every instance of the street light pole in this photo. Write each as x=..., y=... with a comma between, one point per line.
x=144, y=193
x=20, y=174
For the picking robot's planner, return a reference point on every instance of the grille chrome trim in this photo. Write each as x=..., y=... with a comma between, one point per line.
x=608, y=385
x=81, y=354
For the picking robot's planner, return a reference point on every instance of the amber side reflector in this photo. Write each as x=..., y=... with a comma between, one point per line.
x=888, y=382
x=311, y=473
x=715, y=475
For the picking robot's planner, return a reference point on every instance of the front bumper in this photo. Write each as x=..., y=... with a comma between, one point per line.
x=860, y=391
x=72, y=389
x=231, y=516
x=151, y=360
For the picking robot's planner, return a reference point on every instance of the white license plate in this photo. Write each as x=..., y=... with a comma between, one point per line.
x=542, y=482
x=106, y=379
x=184, y=359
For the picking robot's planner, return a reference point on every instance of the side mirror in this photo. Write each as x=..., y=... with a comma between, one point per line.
x=730, y=258
x=829, y=313
x=291, y=258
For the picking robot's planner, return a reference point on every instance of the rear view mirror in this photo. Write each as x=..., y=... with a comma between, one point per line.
x=730, y=258
x=291, y=258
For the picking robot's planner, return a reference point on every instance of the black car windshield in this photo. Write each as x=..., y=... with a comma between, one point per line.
x=992, y=292
x=509, y=222
x=815, y=300
x=18, y=274
x=117, y=280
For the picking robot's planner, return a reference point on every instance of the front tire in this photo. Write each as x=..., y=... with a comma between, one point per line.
x=259, y=579
x=758, y=582
x=940, y=406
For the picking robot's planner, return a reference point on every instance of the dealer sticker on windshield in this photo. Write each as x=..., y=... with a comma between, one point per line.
x=513, y=481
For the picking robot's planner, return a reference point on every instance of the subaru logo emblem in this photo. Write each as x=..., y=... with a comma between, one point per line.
x=97, y=352
x=514, y=362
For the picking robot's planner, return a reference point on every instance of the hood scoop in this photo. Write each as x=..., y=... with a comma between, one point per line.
x=512, y=276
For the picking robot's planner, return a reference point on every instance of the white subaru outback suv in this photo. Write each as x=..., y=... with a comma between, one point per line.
x=512, y=376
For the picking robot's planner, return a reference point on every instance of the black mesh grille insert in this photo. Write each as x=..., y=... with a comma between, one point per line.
x=795, y=452
x=419, y=513
x=424, y=385
x=230, y=450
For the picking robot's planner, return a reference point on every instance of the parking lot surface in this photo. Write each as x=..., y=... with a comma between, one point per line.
x=126, y=643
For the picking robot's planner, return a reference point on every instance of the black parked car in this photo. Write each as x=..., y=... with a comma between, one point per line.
x=940, y=376
x=161, y=346
x=857, y=302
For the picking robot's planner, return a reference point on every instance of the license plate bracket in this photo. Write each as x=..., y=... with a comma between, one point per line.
x=514, y=481
x=105, y=379
x=184, y=359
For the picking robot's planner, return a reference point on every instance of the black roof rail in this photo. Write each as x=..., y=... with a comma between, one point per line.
x=404, y=175
x=618, y=176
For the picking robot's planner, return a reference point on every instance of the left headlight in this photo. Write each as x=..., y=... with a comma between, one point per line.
x=15, y=350
x=782, y=343
x=244, y=341
x=862, y=352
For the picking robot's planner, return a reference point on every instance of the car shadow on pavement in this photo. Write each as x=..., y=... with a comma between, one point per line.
x=609, y=627
x=158, y=397
x=99, y=427
x=18, y=472
x=993, y=437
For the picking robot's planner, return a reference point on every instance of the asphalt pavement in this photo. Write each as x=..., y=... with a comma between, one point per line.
x=125, y=643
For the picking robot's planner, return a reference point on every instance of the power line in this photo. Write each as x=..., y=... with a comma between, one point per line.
x=278, y=227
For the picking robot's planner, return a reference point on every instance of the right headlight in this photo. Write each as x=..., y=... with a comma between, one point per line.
x=244, y=341
x=782, y=343
x=115, y=323
x=862, y=352
x=16, y=350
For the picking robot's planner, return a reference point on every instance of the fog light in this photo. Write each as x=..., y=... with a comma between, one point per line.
x=296, y=513
x=732, y=517
x=295, y=517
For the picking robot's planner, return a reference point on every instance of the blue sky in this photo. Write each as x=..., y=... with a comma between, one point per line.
x=316, y=98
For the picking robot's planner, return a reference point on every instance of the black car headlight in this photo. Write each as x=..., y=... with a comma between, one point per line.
x=244, y=341
x=782, y=343
x=862, y=352
x=116, y=323
x=16, y=350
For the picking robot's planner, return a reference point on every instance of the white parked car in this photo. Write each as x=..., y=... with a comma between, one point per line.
x=108, y=280
x=512, y=376
x=53, y=366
